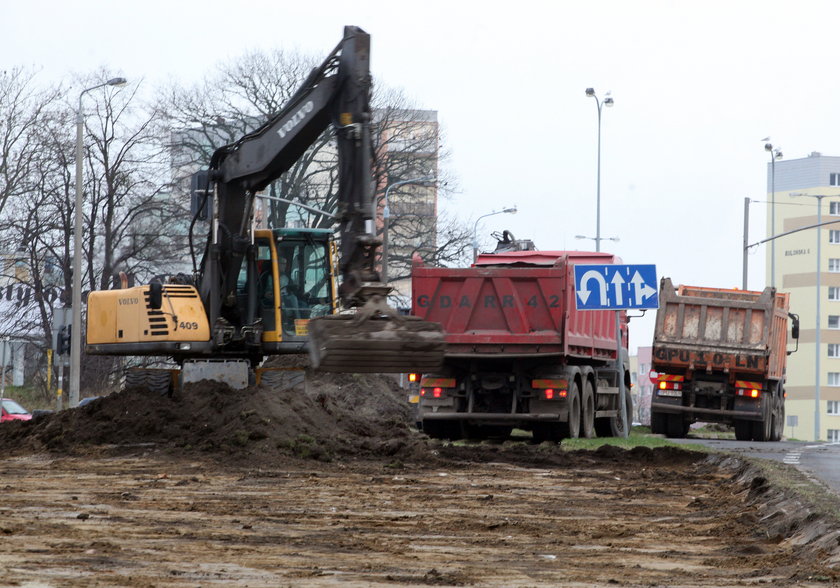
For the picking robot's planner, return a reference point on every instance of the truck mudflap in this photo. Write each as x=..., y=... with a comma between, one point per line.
x=392, y=344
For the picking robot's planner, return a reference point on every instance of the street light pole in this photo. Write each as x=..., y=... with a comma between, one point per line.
x=608, y=101
x=385, y=217
x=817, y=339
x=76, y=338
x=746, y=242
x=774, y=155
x=511, y=210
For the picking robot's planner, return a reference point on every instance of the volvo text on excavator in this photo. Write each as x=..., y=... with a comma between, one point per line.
x=260, y=292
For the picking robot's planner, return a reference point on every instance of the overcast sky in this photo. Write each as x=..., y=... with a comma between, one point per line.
x=696, y=85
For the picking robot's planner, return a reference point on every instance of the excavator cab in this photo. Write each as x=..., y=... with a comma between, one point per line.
x=294, y=283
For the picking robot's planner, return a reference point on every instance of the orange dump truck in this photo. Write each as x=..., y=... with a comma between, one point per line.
x=720, y=357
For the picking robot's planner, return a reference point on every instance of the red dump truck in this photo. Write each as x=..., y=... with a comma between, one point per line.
x=720, y=357
x=519, y=353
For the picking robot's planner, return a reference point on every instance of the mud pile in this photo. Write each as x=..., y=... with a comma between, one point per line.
x=321, y=416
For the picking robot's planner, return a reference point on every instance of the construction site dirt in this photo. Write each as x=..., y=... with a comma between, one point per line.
x=324, y=482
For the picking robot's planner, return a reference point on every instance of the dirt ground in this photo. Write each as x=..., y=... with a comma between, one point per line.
x=324, y=483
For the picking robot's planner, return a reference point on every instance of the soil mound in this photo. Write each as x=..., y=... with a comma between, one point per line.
x=319, y=416
x=294, y=412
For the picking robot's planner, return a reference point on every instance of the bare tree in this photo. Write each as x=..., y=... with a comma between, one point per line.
x=22, y=105
x=127, y=214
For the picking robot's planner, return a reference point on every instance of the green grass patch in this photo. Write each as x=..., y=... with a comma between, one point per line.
x=639, y=437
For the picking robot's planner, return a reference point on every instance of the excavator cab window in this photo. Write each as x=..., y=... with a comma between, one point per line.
x=305, y=285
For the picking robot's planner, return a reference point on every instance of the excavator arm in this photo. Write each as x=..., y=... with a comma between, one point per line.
x=336, y=94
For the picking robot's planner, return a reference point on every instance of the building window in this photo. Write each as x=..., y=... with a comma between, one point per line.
x=834, y=236
x=834, y=349
x=834, y=435
x=834, y=179
x=834, y=378
x=833, y=407
x=834, y=265
x=834, y=321
x=834, y=208
x=834, y=292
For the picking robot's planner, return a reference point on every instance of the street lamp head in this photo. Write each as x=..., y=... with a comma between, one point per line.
x=590, y=91
x=608, y=101
x=777, y=154
x=768, y=147
x=117, y=82
x=510, y=210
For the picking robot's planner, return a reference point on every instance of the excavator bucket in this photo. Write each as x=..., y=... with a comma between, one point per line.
x=402, y=344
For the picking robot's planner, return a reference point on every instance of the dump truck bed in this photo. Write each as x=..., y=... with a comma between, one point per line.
x=514, y=304
x=700, y=328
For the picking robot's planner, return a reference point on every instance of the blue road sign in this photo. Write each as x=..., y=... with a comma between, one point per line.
x=616, y=287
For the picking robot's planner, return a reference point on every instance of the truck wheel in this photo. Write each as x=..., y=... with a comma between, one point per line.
x=743, y=430
x=658, y=423
x=779, y=417
x=763, y=430
x=547, y=432
x=571, y=428
x=442, y=429
x=675, y=426
x=587, y=413
x=616, y=426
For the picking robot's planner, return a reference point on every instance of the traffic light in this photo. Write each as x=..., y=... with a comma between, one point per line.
x=63, y=340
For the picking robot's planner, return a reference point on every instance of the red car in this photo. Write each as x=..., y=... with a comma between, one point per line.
x=12, y=411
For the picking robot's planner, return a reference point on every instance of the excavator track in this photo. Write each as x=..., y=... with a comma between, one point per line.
x=344, y=343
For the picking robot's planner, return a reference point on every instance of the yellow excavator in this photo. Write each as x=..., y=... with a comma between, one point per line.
x=278, y=291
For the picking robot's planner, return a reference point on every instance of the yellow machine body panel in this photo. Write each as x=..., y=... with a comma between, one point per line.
x=126, y=316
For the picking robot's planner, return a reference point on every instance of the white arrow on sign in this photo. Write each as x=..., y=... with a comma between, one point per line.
x=584, y=283
x=641, y=289
x=617, y=283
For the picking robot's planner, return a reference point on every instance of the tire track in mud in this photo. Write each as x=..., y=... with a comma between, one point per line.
x=597, y=519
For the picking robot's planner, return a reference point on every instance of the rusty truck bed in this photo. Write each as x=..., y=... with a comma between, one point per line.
x=718, y=329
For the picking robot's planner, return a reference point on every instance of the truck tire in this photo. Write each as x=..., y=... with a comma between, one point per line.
x=779, y=417
x=675, y=426
x=482, y=432
x=763, y=430
x=658, y=423
x=743, y=430
x=551, y=432
x=442, y=429
x=571, y=428
x=587, y=412
x=616, y=426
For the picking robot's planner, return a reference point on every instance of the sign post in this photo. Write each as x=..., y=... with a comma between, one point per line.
x=61, y=321
x=617, y=287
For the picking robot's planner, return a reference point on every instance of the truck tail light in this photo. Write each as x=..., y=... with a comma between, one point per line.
x=669, y=385
x=435, y=392
x=552, y=394
x=552, y=388
x=748, y=389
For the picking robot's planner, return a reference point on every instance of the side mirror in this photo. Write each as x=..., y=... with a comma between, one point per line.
x=794, y=330
x=155, y=295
